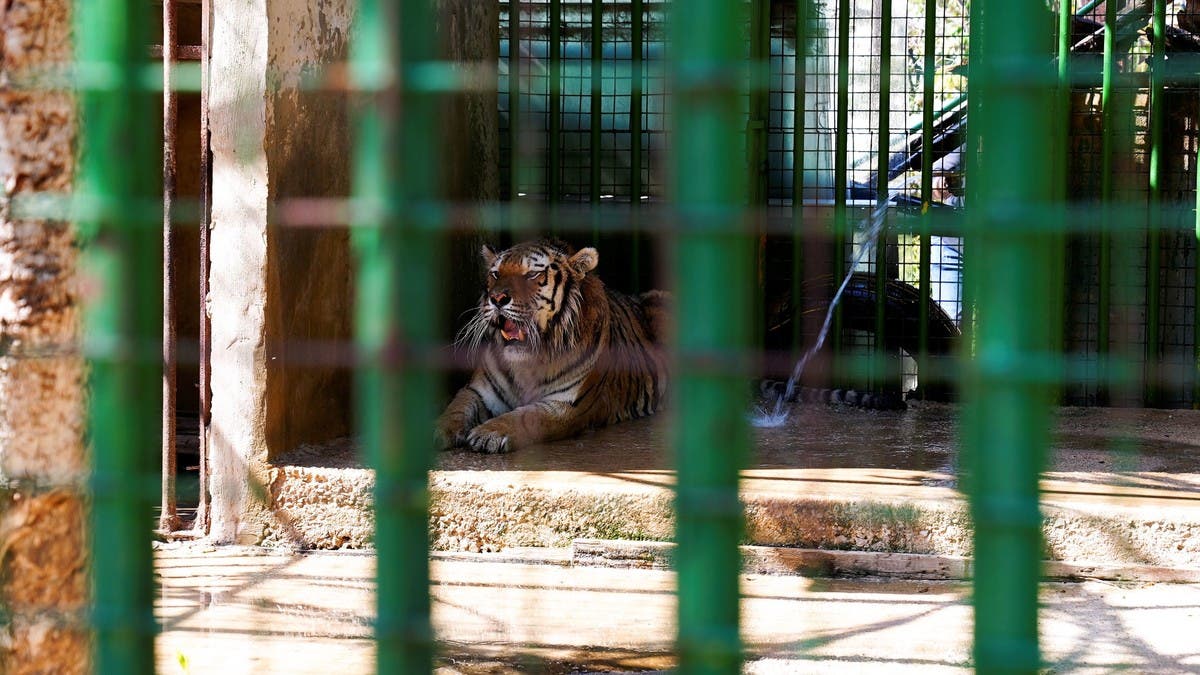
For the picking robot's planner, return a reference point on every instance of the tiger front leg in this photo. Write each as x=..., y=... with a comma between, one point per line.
x=466, y=411
x=535, y=423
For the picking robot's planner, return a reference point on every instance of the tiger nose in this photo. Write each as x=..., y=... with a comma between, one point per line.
x=500, y=298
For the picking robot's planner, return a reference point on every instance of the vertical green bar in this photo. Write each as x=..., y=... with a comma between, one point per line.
x=756, y=126
x=799, y=104
x=714, y=261
x=924, y=261
x=124, y=326
x=515, y=164
x=635, y=104
x=554, y=161
x=637, y=39
x=399, y=250
x=1061, y=178
x=841, y=151
x=1107, y=114
x=1007, y=416
x=878, y=377
x=597, y=91
x=1154, y=222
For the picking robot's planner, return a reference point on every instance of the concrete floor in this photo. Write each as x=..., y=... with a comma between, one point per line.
x=254, y=611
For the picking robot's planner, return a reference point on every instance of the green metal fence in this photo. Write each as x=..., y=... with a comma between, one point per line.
x=715, y=196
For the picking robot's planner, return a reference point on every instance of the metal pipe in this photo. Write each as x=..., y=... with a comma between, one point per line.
x=554, y=93
x=168, y=519
x=714, y=257
x=400, y=253
x=1107, y=114
x=799, y=105
x=840, y=157
x=925, y=257
x=1006, y=417
x=124, y=327
x=879, y=378
x=596, y=99
x=1154, y=222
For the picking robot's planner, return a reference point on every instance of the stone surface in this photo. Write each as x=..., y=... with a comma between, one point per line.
x=43, y=554
x=833, y=478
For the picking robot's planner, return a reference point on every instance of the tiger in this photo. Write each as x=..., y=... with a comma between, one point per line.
x=559, y=352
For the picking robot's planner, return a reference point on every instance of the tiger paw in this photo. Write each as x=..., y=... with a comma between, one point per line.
x=491, y=437
x=449, y=432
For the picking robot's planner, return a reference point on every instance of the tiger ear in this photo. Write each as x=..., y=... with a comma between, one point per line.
x=584, y=261
x=489, y=255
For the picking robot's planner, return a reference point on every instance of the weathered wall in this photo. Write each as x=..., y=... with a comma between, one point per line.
x=310, y=303
x=43, y=573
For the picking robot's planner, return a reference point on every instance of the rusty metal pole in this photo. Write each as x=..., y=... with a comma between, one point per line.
x=202, y=508
x=168, y=516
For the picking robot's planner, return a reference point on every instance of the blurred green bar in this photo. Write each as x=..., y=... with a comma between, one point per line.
x=396, y=173
x=879, y=377
x=119, y=180
x=1006, y=426
x=714, y=257
x=1154, y=220
x=636, y=37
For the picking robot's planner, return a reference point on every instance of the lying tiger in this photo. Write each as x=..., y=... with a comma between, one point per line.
x=561, y=353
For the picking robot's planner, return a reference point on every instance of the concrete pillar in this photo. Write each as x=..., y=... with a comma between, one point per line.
x=281, y=298
x=43, y=553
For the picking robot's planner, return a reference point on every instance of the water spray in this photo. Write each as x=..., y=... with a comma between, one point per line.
x=872, y=227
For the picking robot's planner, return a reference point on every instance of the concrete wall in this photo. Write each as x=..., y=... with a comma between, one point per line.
x=281, y=298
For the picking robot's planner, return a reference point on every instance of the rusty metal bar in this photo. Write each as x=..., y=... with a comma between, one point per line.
x=168, y=520
x=202, y=510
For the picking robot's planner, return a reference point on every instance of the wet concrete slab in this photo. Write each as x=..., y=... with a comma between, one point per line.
x=1121, y=486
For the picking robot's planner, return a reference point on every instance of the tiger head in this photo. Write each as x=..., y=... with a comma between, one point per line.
x=533, y=297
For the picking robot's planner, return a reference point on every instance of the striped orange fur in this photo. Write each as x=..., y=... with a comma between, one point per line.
x=558, y=352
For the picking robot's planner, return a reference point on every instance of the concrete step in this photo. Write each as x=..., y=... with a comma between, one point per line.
x=1122, y=488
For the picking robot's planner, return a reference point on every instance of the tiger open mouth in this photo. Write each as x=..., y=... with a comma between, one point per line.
x=512, y=332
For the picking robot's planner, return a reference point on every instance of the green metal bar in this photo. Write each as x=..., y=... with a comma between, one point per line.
x=1093, y=4
x=840, y=155
x=515, y=168
x=597, y=95
x=1196, y=295
x=635, y=131
x=1061, y=178
x=756, y=131
x=883, y=156
x=635, y=103
x=1107, y=114
x=124, y=326
x=396, y=181
x=937, y=114
x=554, y=161
x=1007, y=416
x=1154, y=222
x=929, y=66
x=714, y=258
x=799, y=106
